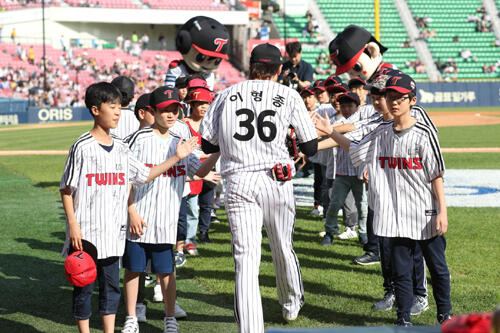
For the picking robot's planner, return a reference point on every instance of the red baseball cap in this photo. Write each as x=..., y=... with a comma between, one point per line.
x=201, y=95
x=197, y=83
x=80, y=266
x=319, y=84
x=401, y=83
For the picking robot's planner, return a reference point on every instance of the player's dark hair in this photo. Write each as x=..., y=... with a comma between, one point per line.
x=102, y=92
x=293, y=48
x=263, y=71
x=411, y=95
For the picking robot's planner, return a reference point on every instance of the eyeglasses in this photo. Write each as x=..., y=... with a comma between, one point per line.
x=399, y=100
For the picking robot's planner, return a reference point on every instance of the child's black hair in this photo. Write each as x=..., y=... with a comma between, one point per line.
x=102, y=92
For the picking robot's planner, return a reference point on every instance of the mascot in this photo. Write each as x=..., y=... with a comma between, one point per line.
x=358, y=53
x=203, y=43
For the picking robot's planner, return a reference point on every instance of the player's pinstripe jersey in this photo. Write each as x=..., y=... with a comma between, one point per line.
x=181, y=70
x=249, y=122
x=99, y=181
x=401, y=166
x=158, y=202
x=127, y=124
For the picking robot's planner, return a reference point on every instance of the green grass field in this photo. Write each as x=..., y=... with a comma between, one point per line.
x=37, y=297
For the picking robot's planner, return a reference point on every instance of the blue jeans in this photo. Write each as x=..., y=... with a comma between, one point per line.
x=182, y=223
x=108, y=276
x=192, y=217
x=341, y=187
x=205, y=199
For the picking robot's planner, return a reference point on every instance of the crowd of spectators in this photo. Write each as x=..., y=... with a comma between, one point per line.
x=481, y=19
x=417, y=66
x=68, y=75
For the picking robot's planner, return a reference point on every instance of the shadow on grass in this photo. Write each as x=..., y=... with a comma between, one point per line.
x=38, y=288
x=47, y=184
x=39, y=245
x=13, y=326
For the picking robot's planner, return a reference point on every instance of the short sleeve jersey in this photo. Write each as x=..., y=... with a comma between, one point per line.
x=249, y=122
x=158, y=202
x=99, y=181
x=127, y=124
x=402, y=166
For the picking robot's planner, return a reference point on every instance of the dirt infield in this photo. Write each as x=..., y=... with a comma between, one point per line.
x=448, y=119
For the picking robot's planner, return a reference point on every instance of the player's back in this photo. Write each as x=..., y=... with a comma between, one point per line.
x=253, y=118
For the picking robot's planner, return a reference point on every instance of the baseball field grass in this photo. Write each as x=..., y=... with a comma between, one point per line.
x=37, y=298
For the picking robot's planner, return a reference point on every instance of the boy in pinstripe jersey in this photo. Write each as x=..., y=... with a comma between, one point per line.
x=404, y=158
x=155, y=208
x=94, y=191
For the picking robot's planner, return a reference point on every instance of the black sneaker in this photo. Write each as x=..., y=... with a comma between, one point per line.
x=403, y=323
x=442, y=317
x=369, y=258
x=327, y=240
x=203, y=237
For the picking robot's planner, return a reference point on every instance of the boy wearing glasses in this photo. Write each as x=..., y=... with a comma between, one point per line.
x=403, y=158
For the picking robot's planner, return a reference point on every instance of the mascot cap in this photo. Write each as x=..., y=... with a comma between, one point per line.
x=208, y=36
x=347, y=47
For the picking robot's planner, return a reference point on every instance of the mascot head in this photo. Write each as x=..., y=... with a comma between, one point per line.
x=356, y=52
x=203, y=42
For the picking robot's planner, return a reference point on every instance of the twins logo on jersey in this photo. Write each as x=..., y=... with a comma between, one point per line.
x=400, y=163
x=175, y=171
x=108, y=178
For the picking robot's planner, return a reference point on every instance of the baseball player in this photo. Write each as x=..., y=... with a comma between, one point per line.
x=403, y=157
x=128, y=123
x=153, y=220
x=94, y=191
x=248, y=123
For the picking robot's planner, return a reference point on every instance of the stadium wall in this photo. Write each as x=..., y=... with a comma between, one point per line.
x=435, y=95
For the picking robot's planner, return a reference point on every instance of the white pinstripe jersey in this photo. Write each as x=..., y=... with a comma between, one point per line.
x=181, y=70
x=344, y=165
x=361, y=128
x=331, y=157
x=364, y=112
x=401, y=169
x=158, y=202
x=322, y=156
x=127, y=124
x=99, y=181
x=181, y=130
x=249, y=122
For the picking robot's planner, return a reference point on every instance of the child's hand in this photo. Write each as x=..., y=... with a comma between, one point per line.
x=75, y=236
x=213, y=177
x=442, y=223
x=186, y=147
x=136, y=223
